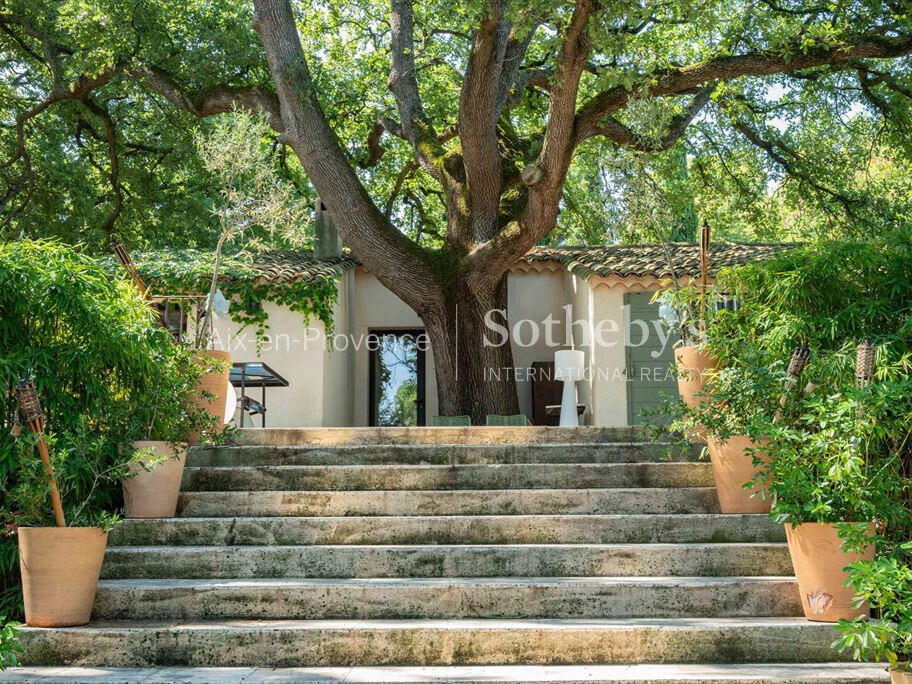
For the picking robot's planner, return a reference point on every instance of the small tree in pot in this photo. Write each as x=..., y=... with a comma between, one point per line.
x=254, y=201
x=885, y=584
x=736, y=420
x=157, y=428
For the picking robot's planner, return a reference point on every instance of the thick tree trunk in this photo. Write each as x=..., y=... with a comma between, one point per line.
x=473, y=362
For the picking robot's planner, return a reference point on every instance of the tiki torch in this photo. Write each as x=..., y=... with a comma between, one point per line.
x=864, y=364
x=30, y=409
x=123, y=256
x=795, y=368
x=704, y=271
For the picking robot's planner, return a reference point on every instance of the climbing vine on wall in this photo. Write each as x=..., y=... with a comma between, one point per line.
x=188, y=271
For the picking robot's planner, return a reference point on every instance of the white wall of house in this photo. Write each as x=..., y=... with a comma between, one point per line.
x=533, y=296
x=339, y=362
x=294, y=353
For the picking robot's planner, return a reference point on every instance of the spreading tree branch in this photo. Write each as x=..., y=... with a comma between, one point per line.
x=622, y=135
x=788, y=160
x=389, y=254
x=545, y=178
x=684, y=79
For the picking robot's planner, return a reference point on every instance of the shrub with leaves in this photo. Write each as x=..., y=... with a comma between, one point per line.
x=106, y=373
x=886, y=585
x=837, y=461
x=9, y=643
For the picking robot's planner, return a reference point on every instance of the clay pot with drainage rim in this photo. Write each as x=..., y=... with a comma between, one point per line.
x=732, y=467
x=153, y=492
x=60, y=568
x=693, y=364
x=214, y=383
x=819, y=561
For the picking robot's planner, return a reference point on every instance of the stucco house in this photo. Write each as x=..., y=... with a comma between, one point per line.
x=375, y=369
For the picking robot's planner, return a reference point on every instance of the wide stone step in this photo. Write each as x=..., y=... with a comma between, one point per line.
x=740, y=673
x=432, y=642
x=465, y=597
x=496, y=529
x=439, y=454
x=340, y=436
x=519, y=560
x=501, y=476
x=450, y=502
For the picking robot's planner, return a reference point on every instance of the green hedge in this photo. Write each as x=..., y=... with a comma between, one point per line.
x=105, y=371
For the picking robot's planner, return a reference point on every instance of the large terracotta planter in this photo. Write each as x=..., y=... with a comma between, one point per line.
x=692, y=364
x=901, y=676
x=215, y=384
x=818, y=558
x=153, y=493
x=60, y=568
x=732, y=468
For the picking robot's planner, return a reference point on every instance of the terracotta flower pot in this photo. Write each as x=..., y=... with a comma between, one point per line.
x=692, y=364
x=901, y=676
x=153, y=493
x=732, y=467
x=60, y=568
x=216, y=384
x=818, y=558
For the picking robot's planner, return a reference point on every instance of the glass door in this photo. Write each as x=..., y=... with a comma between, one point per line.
x=397, y=377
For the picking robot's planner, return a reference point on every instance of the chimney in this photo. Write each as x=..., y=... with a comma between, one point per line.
x=327, y=243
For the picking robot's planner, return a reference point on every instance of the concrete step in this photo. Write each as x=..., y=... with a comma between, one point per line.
x=439, y=454
x=520, y=560
x=740, y=673
x=340, y=436
x=450, y=502
x=432, y=642
x=464, y=597
x=501, y=476
x=495, y=529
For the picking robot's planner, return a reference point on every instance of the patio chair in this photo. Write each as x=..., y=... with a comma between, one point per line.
x=519, y=420
x=451, y=421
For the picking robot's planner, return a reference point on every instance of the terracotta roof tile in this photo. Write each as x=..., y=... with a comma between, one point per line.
x=298, y=264
x=585, y=261
x=652, y=260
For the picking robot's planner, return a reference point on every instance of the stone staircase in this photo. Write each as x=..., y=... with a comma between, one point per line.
x=381, y=551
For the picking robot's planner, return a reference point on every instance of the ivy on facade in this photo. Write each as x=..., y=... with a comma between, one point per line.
x=188, y=272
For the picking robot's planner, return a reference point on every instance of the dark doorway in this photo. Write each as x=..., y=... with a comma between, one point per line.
x=397, y=379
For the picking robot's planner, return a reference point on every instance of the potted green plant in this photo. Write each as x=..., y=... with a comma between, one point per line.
x=693, y=362
x=60, y=565
x=158, y=426
x=885, y=584
x=832, y=478
x=735, y=419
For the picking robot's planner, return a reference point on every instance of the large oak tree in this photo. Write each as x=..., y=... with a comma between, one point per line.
x=468, y=115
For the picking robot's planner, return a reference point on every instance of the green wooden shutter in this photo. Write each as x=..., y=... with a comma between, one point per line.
x=649, y=377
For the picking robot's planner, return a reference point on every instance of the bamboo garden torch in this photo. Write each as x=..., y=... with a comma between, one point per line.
x=796, y=367
x=30, y=409
x=864, y=364
x=704, y=271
